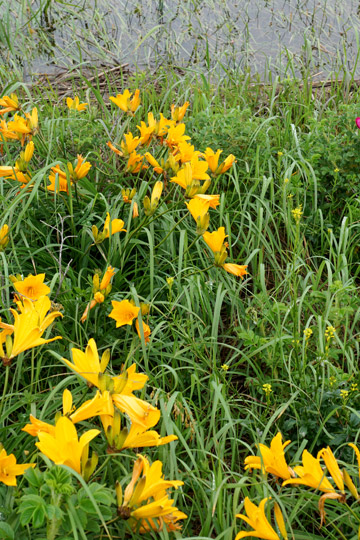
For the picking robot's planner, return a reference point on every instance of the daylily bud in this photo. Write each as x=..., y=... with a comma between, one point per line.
x=96, y=282
x=90, y=466
x=145, y=308
x=95, y=232
x=119, y=494
x=4, y=237
x=350, y=484
x=220, y=256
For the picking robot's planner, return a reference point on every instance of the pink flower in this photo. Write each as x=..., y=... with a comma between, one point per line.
x=357, y=121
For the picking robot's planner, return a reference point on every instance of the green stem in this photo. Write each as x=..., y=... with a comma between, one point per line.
x=6, y=382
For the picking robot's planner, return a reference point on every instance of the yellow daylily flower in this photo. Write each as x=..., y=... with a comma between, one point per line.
x=185, y=152
x=212, y=158
x=176, y=135
x=4, y=237
x=110, y=272
x=10, y=103
x=199, y=168
x=123, y=312
x=28, y=327
x=148, y=500
x=19, y=125
x=332, y=466
x=213, y=200
x=138, y=436
x=9, y=469
x=81, y=169
x=311, y=474
x=36, y=426
x=75, y=105
x=238, y=270
x=215, y=240
x=124, y=102
x=64, y=447
x=257, y=519
x=33, y=287
x=155, y=164
x=178, y=113
x=135, y=163
x=199, y=209
x=146, y=330
x=272, y=459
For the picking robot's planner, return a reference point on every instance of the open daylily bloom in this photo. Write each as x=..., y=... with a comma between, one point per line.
x=272, y=459
x=120, y=387
x=176, y=135
x=257, y=519
x=75, y=105
x=124, y=102
x=87, y=364
x=64, y=447
x=36, y=426
x=212, y=159
x=146, y=500
x=9, y=469
x=33, y=287
x=216, y=242
x=138, y=436
x=135, y=163
x=185, y=152
x=127, y=147
x=199, y=209
x=199, y=168
x=146, y=133
x=123, y=312
x=28, y=327
x=311, y=474
x=213, y=200
x=110, y=227
x=58, y=180
x=81, y=169
x=332, y=466
x=19, y=125
x=10, y=103
x=178, y=113
x=186, y=180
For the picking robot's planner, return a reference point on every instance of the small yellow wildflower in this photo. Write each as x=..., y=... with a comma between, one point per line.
x=308, y=333
x=286, y=180
x=329, y=333
x=267, y=388
x=297, y=213
x=225, y=367
x=332, y=381
x=354, y=387
x=280, y=154
x=344, y=394
x=336, y=170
